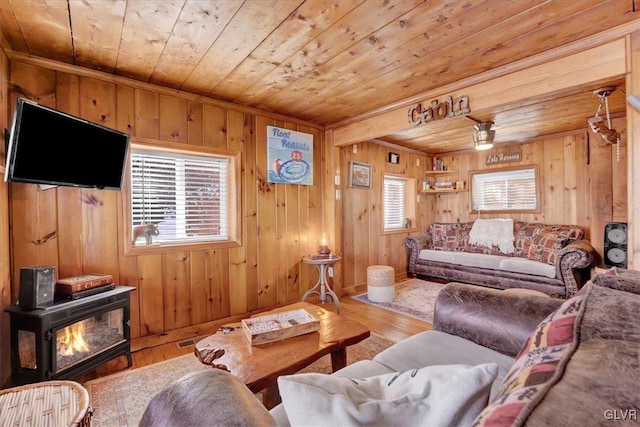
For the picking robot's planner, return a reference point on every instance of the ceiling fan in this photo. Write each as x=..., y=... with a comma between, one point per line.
x=483, y=134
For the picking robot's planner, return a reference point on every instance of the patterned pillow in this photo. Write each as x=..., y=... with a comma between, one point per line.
x=482, y=249
x=547, y=241
x=545, y=245
x=449, y=236
x=538, y=366
x=525, y=232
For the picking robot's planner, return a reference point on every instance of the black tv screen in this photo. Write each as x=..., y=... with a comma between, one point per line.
x=47, y=146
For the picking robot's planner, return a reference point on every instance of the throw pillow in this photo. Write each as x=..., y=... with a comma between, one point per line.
x=545, y=244
x=537, y=367
x=442, y=395
x=525, y=231
x=448, y=236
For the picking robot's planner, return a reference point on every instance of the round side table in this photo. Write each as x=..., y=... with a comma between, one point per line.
x=322, y=264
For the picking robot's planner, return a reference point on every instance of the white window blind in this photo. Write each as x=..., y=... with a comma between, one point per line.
x=504, y=190
x=184, y=195
x=394, y=203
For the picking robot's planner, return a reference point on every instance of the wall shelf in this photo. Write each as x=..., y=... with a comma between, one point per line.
x=436, y=173
x=434, y=192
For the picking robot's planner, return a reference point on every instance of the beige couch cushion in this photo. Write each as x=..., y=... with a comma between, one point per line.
x=463, y=258
x=527, y=266
x=493, y=262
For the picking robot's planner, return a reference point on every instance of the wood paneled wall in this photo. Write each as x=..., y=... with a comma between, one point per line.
x=581, y=182
x=363, y=240
x=633, y=154
x=5, y=260
x=78, y=230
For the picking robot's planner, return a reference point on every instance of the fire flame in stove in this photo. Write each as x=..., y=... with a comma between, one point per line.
x=72, y=340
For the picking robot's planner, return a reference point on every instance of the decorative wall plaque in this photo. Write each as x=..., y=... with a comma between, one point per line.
x=499, y=158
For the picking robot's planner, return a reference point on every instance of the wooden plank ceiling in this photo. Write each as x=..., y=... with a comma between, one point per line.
x=324, y=61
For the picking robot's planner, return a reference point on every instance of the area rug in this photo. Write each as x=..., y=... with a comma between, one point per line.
x=120, y=399
x=414, y=297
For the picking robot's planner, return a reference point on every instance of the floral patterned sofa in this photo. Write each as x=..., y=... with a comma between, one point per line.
x=553, y=259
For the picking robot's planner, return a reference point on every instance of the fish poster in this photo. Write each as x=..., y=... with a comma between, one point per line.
x=289, y=156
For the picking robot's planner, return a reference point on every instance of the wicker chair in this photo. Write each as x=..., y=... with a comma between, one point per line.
x=51, y=403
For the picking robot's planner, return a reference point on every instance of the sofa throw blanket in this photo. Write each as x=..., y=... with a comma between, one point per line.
x=493, y=232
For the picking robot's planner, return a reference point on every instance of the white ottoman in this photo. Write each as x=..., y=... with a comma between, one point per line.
x=380, y=283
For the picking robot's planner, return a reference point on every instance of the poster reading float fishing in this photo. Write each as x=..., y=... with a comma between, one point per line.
x=289, y=156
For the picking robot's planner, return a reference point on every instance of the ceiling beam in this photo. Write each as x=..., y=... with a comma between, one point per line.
x=599, y=63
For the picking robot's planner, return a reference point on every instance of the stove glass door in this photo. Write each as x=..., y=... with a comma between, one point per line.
x=88, y=337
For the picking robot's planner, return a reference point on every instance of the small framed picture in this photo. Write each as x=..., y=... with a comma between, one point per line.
x=394, y=158
x=359, y=175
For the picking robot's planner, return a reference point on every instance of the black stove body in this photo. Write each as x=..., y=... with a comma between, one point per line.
x=69, y=338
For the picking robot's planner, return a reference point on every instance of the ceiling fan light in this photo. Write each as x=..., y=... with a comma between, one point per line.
x=483, y=145
x=483, y=135
x=634, y=100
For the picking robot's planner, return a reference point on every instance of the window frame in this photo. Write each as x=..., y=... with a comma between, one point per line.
x=537, y=208
x=234, y=199
x=410, y=205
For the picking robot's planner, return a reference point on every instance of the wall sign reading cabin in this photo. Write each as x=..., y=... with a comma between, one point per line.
x=451, y=107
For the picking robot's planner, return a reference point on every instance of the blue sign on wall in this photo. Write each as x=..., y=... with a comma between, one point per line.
x=289, y=156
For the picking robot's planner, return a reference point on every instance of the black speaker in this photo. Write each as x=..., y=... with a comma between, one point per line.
x=615, y=244
x=37, y=285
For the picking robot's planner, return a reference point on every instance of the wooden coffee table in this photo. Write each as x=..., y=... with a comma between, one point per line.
x=259, y=366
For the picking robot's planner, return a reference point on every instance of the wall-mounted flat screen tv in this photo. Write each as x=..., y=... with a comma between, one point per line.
x=50, y=147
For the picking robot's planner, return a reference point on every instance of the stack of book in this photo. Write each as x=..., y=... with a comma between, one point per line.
x=438, y=164
x=72, y=288
x=443, y=185
x=322, y=256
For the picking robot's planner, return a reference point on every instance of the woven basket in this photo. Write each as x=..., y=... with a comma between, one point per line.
x=51, y=403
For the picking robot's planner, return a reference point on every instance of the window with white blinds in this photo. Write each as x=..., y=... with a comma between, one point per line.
x=185, y=195
x=506, y=190
x=394, y=203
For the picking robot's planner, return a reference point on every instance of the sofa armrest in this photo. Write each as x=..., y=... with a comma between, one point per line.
x=573, y=265
x=493, y=318
x=415, y=243
x=418, y=241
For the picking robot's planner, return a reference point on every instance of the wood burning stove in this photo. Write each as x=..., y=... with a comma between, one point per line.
x=69, y=338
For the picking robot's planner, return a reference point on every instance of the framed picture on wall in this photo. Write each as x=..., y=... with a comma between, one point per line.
x=359, y=175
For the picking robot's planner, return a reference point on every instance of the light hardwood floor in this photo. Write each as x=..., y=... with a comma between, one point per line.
x=383, y=322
